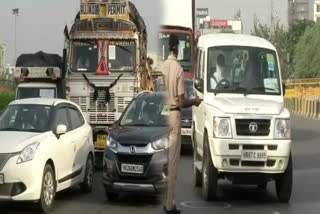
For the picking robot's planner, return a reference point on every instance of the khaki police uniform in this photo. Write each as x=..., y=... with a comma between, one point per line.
x=174, y=80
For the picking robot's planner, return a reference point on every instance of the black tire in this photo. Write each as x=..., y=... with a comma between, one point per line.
x=263, y=186
x=48, y=190
x=197, y=177
x=111, y=196
x=209, y=174
x=86, y=185
x=284, y=184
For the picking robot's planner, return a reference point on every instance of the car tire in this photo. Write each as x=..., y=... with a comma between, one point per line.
x=284, y=184
x=197, y=177
x=209, y=174
x=86, y=185
x=263, y=186
x=48, y=190
x=111, y=196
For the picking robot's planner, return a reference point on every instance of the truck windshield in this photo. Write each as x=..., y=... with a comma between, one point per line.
x=146, y=111
x=24, y=93
x=185, y=49
x=26, y=118
x=247, y=70
x=121, y=56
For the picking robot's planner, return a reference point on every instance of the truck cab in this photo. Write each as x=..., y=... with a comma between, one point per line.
x=241, y=131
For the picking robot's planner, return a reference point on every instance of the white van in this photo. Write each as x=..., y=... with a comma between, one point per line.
x=241, y=131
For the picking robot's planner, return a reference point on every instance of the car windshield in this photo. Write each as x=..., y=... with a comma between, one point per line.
x=146, y=111
x=247, y=70
x=121, y=56
x=26, y=118
x=185, y=49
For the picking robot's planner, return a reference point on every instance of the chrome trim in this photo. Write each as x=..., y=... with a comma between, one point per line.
x=139, y=150
x=253, y=117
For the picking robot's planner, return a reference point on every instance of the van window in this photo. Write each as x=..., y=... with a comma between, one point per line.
x=248, y=70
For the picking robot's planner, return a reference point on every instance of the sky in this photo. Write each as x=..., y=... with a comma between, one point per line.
x=41, y=22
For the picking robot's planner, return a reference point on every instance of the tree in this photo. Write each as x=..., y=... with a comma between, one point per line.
x=306, y=58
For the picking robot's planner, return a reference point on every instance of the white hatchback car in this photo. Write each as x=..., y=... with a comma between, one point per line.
x=46, y=146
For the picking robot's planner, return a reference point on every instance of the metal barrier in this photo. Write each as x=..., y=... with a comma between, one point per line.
x=7, y=85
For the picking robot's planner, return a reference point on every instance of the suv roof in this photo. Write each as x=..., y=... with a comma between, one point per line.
x=228, y=39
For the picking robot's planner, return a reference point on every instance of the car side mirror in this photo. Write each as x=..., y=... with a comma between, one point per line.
x=198, y=84
x=284, y=89
x=61, y=130
x=116, y=123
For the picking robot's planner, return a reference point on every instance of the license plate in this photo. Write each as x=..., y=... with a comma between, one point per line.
x=254, y=156
x=186, y=132
x=132, y=168
x=1, y=178
x=101, y=142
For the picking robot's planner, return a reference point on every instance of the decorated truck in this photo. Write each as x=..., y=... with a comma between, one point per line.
x=106, y=53
x=39, y=75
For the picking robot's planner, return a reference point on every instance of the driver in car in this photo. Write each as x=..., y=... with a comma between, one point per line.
x=220, y=73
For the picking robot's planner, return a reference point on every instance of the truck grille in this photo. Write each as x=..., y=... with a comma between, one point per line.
x=242, y=127
x=81, y=101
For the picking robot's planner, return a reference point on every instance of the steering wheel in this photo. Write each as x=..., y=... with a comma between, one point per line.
x=224, y=83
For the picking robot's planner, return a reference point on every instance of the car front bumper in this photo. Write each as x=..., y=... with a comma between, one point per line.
x=227, y=155
x=22, y=182
x=153, y=180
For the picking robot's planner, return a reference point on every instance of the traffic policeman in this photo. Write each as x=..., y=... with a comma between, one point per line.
x=174, y=81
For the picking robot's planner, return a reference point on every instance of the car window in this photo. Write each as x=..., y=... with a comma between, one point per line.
x=76, y=118
x=62, y=118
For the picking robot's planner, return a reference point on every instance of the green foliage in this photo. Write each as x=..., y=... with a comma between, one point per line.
x=5, y=99
x=306, y=55
x=285, y=40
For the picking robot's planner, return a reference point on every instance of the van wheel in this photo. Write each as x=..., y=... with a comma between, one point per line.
x=111, y=196
x=209, y=174
x=284, y=184
x=87, y=184
x=48, y=190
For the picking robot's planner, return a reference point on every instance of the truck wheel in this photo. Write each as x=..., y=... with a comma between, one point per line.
x=87, y=184
x=284, y=184
x=209, y=174
x=48, y=190
x=197, y=179
x=111, y=196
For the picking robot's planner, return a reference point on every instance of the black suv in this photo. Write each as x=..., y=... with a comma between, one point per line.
x=136, y=158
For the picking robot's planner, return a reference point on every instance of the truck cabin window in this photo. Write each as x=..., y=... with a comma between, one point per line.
x=185, y=49
x=121, y=56
x=247, y=70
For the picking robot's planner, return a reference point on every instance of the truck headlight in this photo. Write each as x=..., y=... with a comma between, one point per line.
x=160, y=144
x=222, y=127
x=282, y=129
x=27, y=153
x=112, y=144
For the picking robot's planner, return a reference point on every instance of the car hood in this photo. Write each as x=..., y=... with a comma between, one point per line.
x=12, y=142
x=134, y=135
x=247, y=105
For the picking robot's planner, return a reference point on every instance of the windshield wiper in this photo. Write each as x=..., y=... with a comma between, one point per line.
x=263, y=88
x=10, y=129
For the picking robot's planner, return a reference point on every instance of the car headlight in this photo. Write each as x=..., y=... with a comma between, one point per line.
x=160, y=144
x=222, y=127
x=282, y=129
x=112, y=144
x=27, y=153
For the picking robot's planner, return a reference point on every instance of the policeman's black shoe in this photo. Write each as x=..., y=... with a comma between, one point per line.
x=173, y=211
